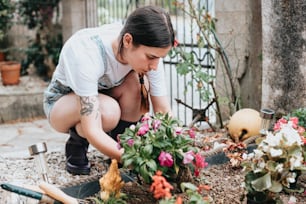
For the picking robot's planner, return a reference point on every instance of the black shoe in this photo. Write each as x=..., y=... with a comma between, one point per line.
x=76, y=159
x=120, y=128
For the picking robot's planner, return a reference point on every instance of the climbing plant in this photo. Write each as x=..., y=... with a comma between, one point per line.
x=205, y=38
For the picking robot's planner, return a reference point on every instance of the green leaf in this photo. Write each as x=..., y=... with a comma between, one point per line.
x=144, y=173
x=148, y=149
x=276, y=187
x=186, y=185
x=127, y=162
x=262, y=183
x=152, y=165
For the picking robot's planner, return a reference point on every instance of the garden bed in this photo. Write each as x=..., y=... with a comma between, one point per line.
x=225, y=181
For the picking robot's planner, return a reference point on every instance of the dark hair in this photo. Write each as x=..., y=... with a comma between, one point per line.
x=150, y=26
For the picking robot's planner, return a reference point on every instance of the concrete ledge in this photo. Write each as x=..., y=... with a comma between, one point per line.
x=22, y=102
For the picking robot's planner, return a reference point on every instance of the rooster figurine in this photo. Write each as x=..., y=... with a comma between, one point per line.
x=111, y=183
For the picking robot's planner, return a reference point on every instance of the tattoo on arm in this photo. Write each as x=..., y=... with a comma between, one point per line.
x=87, y=104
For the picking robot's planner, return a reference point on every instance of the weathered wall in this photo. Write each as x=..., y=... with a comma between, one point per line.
x=239, y=31
x=284, y=54
x=78, y=14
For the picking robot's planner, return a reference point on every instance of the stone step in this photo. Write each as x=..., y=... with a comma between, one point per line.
x=22, y=102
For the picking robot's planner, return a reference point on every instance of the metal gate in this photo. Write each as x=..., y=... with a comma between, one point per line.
x=185, y=101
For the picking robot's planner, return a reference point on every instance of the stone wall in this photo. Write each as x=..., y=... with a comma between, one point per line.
x=78, y=14
x=284, y=54
x=239, y=31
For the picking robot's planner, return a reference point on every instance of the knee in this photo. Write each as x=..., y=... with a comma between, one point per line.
x=110, y=114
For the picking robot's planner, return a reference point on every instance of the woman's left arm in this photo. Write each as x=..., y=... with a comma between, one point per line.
x=161, y=104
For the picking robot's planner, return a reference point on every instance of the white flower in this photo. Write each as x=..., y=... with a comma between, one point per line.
x=290, y=135
x=292, y=200
x=296, y=160
x=258, y=153
x=272, y=140
x=276, y=152
x=279, y=168
x=260, y=166
x=245, y=156
x=291, y=178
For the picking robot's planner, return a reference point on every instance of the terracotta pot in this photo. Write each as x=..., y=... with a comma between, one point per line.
x=10, y=72
x=2, y=56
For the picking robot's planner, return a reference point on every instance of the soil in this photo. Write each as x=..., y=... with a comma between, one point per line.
x=225, y=180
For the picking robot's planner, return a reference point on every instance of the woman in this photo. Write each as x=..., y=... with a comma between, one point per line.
x=99, y=86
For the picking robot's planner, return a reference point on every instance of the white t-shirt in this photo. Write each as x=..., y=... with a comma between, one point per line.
x=87, y=63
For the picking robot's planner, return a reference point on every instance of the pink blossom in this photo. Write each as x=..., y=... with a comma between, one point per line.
x=301, y=130
x=156, y=124
x=196, y=172
x=191, y=133
x=199, y=164
x=165, y=159
x=278, y=124
x=143, y=129
x=200, y=161
x=146, y=117
x=178, y=130
x=188, y=157
x=130, y=142
x=295, y=121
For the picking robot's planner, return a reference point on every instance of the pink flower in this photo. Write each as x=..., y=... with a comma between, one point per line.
x=278, y=124
x=146, y=117
x=191, y=133
x=188, y=157
x=143, y=129
x=301, y=130
x=130, y=142
x=199, y=164
x=178, y=130
x=200, y=161
x=165, y=159
x=295, y=121
x=156, y=124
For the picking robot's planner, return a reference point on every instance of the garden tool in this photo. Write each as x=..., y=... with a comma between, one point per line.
x=75, y=191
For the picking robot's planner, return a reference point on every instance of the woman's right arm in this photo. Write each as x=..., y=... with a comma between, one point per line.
x=92, y=128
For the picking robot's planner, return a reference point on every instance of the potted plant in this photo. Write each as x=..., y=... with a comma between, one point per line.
x=276, y=163
x=7, y=9
x=160, y=143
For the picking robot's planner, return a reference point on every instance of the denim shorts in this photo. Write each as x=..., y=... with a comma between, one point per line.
x=54, y=91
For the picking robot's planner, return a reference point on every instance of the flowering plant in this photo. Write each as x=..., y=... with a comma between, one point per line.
x=160, y=143
x=276, y=163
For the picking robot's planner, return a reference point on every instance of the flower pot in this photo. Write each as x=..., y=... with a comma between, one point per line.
x=10, y=72
x=2, y=56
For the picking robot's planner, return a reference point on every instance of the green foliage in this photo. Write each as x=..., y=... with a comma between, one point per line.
x=43, y=51
x=300, y=113
x=7, y=9
x=276, y=163
x=35, y=13
x=189, y=61
x=144, y=143
x=39, y=51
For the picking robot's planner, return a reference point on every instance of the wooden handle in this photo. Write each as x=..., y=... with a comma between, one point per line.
x=57, y=193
